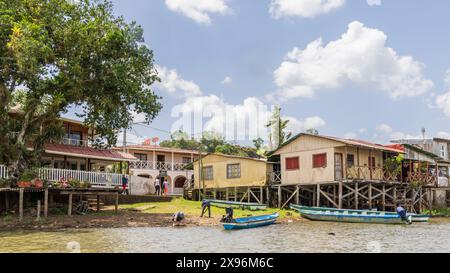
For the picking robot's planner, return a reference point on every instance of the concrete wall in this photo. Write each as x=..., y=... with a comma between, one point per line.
x=253, y=172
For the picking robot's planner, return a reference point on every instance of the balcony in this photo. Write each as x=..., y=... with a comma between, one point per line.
x=75, y=142
x=164, y=166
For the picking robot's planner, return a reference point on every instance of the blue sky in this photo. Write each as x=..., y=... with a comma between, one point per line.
x=389, y=89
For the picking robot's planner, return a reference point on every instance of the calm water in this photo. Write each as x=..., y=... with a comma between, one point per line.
x=295, y=237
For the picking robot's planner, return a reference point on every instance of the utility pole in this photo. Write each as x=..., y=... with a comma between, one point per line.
x=124, y=140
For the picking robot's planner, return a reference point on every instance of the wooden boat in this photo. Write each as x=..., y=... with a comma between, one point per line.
x=237, y=205
x=251, y=222
x=347, y=216
x=415, y=217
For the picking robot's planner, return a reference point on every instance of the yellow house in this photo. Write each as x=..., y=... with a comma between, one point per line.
x=226, y=171
x=311, y=159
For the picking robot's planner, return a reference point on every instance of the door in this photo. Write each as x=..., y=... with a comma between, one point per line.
x=338, y=167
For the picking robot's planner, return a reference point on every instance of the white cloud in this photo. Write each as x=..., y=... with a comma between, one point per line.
x=303, y=8
x=227, y=80
x=198, y=10
x=360, y=56
x=374, y=2
x=350, y=135
x=132, y=139
x=445, y=135
x=384, y=128
x=443, y=101
x=240, y=122
x=173, y=84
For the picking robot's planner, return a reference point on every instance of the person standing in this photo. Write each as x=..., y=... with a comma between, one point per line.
x=124, y=184
x=157, y=186
x=166, y=187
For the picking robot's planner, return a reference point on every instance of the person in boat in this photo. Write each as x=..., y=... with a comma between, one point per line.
x=178, y=219
x=206, y=206
x=228, y=217
x=401, y=212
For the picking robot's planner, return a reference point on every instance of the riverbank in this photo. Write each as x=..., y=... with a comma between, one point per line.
x=157, y=214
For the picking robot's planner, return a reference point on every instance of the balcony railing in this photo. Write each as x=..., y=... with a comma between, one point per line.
x=3, y=172
x=75, y=142
x=97, y=179
x=165, y=166
x=375, y=173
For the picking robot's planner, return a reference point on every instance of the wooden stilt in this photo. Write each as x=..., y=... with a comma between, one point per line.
x=69, y=209
x=356, y=195
x=38, y=213
x=383, y=196
x=318, y=196
x=46, y=203
x=7, y=201
x=297, y=196
x=261, y=195
x=227, y=194
x=235, y=194
x=279, y=197
x=370, y=196
x=98, y=203
x=340, y=195
x=116, y=207
x=20, y=204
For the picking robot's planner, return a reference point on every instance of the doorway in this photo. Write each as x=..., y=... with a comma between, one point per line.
x=338, y=167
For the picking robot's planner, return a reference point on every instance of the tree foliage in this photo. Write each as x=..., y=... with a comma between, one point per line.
x=56, y=54
x=278, y=129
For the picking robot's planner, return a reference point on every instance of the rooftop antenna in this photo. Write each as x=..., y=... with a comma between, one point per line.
x=423, y=133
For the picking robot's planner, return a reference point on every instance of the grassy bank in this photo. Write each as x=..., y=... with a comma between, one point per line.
x=193, y=209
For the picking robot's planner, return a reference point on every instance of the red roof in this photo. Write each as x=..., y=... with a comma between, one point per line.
x=363, y=143
x=87, y=152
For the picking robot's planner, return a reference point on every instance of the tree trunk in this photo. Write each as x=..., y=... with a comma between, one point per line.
x=19, y=164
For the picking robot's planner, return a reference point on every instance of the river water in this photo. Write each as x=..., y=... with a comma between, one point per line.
x=302, y=236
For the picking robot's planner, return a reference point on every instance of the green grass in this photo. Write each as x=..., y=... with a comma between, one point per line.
x=193, y=208
x=439, y=212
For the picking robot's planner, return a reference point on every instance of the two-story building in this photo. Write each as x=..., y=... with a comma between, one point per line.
x=174, y=165
x=232, y=178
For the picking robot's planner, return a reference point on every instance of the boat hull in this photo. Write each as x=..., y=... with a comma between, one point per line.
x=415, y=217
x=237, y=205
x=352, y=218
x=251, y=222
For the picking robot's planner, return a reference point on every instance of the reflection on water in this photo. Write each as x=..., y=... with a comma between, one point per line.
x=295, y=237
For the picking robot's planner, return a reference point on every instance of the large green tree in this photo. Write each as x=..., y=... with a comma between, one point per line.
x=56, y=54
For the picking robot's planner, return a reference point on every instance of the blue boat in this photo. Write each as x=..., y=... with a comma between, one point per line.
x=415, y=217
x=345, y=216
x=251, y=222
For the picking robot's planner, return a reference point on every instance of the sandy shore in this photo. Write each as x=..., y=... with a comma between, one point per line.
x=108, y=219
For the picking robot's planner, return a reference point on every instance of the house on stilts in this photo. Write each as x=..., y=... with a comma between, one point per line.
x=326, y=171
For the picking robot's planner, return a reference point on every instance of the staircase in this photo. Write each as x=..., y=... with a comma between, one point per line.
x=188, y=190
x=92, y=201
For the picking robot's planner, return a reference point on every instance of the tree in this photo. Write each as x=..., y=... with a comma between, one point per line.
x=180, y=140
x=312, y=131
x=210, y=141
x=278, y=134
x=69, y=53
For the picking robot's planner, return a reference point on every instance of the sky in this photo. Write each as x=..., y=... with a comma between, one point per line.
x=363, y=69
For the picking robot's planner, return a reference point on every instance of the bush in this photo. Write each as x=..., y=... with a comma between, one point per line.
x=28, y=175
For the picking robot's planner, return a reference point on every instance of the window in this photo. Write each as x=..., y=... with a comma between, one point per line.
x=292, y=163
x=320, y=161
x=233, y=171
x=186, y=160
x=141, y=157
x=350, y=160
x=372, y=162
x=74, y=138
x=208, y=173
x=442, y=151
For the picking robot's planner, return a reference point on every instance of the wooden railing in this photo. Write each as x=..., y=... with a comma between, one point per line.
x=150, y=165
x=376, y=173
x=423, y=179
x=97, y=179
x=274, y=177
x=4, y=173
